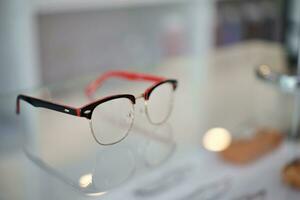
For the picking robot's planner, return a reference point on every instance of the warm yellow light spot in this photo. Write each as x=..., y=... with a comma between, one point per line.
x=216, y=139
x=265, y=70
x=85, y=180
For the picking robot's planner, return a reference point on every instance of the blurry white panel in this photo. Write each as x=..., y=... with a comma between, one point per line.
x=77, y=43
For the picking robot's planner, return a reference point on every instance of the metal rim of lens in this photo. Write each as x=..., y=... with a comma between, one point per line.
x=168, y=114
x=112, y=143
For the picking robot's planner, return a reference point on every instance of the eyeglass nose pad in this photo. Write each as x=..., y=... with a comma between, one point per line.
x=130, y=115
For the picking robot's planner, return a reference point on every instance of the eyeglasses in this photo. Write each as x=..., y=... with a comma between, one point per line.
x=111, y=118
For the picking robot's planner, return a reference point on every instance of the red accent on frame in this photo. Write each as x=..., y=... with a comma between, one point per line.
x=146, y=96
x=93, y=86
x=78, y=112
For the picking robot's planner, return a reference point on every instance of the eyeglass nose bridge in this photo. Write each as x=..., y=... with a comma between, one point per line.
x=142, y=110
x=141, y=96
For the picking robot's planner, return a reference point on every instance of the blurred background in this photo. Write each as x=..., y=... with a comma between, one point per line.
x=236, y=63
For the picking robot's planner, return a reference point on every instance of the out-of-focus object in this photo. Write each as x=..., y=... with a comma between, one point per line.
x=73, y=41
x=173, y=39
x=291, y=174
x=216, y=139
x=252, y=19
x=291, y=30
x=287, y=82
x=284, y=81
x=244, y=151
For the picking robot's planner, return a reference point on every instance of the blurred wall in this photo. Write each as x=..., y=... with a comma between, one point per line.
x=76, y=43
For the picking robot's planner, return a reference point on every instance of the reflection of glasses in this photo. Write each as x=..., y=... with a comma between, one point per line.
x=107, y=172
x=111, y=118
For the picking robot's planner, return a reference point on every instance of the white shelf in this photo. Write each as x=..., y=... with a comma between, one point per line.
x=58, y=6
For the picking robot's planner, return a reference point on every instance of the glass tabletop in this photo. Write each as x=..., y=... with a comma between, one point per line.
x=56, y=156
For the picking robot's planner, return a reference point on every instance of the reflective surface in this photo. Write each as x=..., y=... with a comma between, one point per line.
x=157, y=162
x=116, y=164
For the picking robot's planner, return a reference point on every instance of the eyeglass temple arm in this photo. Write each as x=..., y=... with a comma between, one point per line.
x=46, y=104
x=93, y=86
